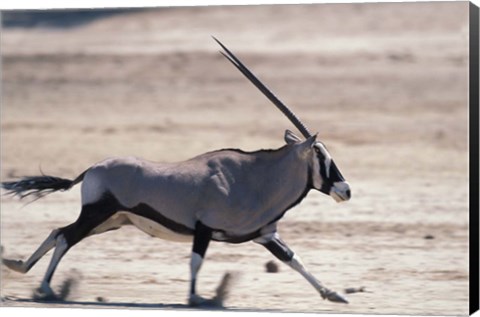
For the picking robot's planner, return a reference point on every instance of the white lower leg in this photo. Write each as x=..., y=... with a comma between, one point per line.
x=60, y=249
x=296, y=264
x=24, y=267
x=195, y=264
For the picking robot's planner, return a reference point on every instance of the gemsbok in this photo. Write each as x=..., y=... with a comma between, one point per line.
x=227, y=195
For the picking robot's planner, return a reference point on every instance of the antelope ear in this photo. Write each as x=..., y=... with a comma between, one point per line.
x=291, y=138
x=305, y=148
x=310, y=142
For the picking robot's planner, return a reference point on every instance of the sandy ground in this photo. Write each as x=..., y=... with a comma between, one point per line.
x=385, y=85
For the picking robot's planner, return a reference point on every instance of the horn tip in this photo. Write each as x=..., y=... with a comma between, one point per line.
x=215, y=39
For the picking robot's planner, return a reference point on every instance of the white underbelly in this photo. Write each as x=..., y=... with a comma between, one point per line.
x=146, y=225
x=155, y=229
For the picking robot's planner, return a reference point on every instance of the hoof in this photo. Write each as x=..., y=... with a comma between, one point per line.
x=200, y=302
x=14, y=265
x=334, y=297
x=195, y=301
x=45, y=294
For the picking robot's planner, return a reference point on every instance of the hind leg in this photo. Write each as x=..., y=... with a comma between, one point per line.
x=92, y=217
x=61, y=247
x=24, y=267
x=55, y=239
x=66, y=238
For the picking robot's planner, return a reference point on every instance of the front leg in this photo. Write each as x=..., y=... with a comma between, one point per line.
x=201, y=239
x=279, y=249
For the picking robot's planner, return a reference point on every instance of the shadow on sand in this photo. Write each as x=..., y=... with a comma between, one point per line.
x=17, y=301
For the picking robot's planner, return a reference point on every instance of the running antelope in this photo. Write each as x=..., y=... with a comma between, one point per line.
x=227, y=195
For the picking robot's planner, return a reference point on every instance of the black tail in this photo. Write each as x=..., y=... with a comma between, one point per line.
x=39, y=186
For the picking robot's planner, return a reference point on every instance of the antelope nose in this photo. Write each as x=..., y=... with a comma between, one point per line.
x=340, y=191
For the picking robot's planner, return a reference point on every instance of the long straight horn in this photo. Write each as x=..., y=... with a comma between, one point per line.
x=254, y=80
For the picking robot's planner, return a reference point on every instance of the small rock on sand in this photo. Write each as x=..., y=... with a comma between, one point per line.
x=271, y=267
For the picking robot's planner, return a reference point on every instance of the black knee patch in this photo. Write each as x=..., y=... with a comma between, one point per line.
x=201, y=238
x=279, y=249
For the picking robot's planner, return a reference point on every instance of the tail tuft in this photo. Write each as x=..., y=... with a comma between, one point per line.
x=37, y=186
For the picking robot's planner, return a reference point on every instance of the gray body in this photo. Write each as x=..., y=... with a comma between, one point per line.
x=221, y=189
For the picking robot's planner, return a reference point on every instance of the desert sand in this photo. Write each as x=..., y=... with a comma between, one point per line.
x=384, y=85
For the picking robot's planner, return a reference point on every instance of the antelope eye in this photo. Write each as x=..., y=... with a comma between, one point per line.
x=319, y=153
